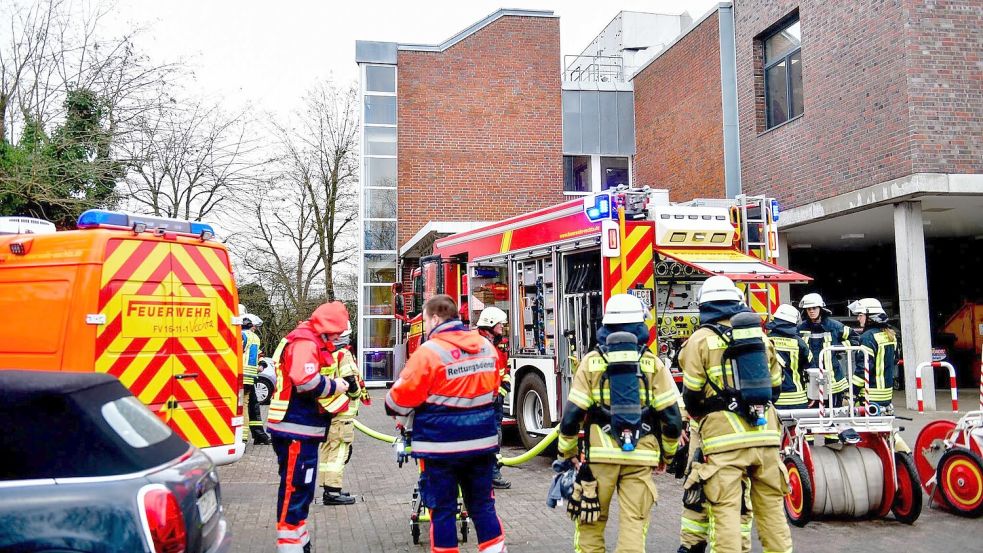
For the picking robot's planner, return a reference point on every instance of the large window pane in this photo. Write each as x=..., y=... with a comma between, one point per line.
x=378, y=365
x=380, y=141
x=380, y=171
x=378, y=333
x=380, y=79
x=576, y=174
x=795, y=83
x=380, y=235
x=776, y=92
x=380, y=110
x=380, y=203
x=378, y=300
x=380, y=267
x=783, y=42
x=614, y=171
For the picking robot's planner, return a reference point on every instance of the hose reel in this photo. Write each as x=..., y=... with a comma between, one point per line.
x=847, y=481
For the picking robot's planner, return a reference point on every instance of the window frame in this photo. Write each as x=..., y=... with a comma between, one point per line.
x=787, y=58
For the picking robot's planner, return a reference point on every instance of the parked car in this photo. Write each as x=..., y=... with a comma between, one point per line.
x=265, y=384
x=85, y=467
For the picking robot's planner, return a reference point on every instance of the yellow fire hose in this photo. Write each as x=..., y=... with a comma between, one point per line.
x=506, y=461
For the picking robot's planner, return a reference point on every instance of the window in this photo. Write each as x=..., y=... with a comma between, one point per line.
x=614, y=171
x=380, y=235
x=380, y=171
x=380, y=110
x=380, y=141
x=380, y=268
x=783, y=74
x=134, y=422
x=380, y=203
x=576, y=174
x=378, y=300
x=380, y=79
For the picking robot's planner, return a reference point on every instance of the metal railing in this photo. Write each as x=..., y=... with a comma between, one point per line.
x=594, y=69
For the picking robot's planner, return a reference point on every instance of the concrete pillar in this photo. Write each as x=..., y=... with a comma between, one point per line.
x=784, y=292
x=909, y=245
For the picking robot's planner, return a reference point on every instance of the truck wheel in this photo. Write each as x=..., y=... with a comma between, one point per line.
x=532, y=411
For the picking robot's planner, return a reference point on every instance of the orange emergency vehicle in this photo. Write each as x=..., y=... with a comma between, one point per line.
x=552, y=270
x=151, y=301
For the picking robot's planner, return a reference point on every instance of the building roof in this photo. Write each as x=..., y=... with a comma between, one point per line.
x=421, y=242
x=696, y=23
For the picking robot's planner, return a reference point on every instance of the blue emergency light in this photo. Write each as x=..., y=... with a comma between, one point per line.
x=97, y=218
x=774, y=210
x=601, y=208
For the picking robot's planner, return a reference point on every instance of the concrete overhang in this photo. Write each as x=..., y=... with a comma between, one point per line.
x=422, y=242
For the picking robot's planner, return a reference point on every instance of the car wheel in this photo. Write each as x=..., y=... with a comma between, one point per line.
x=263, y=390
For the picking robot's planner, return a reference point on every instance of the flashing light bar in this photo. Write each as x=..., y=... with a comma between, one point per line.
x=774, y=210
x=598, y=207
x=97, y=218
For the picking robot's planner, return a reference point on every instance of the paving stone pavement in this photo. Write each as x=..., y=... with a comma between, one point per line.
x=379, y=521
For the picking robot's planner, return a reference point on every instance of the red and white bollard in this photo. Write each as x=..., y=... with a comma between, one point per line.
x=952, y=385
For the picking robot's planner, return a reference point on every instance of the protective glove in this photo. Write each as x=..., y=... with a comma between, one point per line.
x=590, y=503
x=677, y=467
x=573, y=504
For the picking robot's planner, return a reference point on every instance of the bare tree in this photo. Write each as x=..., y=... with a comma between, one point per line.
x=190, y=163
x=321, y=157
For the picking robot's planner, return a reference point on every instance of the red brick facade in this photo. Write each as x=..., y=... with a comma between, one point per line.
x=480, y=125
x=678, y=118
x=874, y=108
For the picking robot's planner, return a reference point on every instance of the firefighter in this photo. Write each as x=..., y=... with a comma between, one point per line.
x=734, y=447
x=296, y=421
x=336, y=451
x=491, y=326
x=448, y=388
x=820, y=330
x=250, y=368
x=624, y=443
x=880, y=345
x=794, y=354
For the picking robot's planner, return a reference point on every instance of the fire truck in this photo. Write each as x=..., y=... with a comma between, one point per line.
x=552, y=270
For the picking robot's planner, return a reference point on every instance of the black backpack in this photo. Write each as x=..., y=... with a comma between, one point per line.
x=750, y=392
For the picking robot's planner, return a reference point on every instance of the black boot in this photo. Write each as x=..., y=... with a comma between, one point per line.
x=260, y=437
x=699, y=548
x=498, y=481
x=307, y=547
x=333, y=496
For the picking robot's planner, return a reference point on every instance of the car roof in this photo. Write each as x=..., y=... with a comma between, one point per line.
x=36, y=384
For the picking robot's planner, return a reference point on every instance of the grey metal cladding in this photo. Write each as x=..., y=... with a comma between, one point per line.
x=368, y=51
x=598, y=122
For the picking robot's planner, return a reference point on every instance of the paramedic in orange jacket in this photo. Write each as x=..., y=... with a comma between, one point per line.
x=448, y=387
x=298, y=424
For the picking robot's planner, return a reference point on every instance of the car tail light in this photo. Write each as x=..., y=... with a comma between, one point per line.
x=163, y=521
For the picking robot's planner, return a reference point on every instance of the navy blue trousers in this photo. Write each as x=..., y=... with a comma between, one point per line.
x=439, y=482
x=297, y=461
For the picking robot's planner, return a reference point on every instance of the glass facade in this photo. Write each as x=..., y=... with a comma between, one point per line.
x=378, y=251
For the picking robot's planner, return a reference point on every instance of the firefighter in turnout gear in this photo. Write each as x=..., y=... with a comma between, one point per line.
x=250, y=368
x=491, y=326
x=448, y=388
x=298, y=423
x=880, y=344
x=794, y=355
x=336, y=451
x=730, y=370
x=819, y=330
x=626, y=402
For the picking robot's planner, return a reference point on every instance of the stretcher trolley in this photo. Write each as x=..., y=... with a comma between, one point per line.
x=844, y=462
x=949, y=459
x=419, y=513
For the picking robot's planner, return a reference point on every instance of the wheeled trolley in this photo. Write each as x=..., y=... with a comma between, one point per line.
x=419, y=512
x=844, y=461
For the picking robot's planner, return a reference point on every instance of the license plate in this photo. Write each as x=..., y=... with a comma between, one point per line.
x=207, y=505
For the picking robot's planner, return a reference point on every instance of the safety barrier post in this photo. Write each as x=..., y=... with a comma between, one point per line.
x=952, y=384
x=866, y=384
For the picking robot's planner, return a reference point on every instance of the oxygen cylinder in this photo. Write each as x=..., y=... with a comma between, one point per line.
x=749, y=363
x=622, y=357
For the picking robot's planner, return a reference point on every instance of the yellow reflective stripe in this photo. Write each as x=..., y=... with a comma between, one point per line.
x=670, y=446
x=792, y=398
x=567, y=444
x=623, y=356
x=664, y=400
x=647, y=364
x=596, y=364
x=748, y=439
x=694, y=383
x=881, y=394
x=776, y=379
x=745, y=333
x=840, y=386
x=580, y=399
x=598, y=453
x=735, y=421
x=692, y=527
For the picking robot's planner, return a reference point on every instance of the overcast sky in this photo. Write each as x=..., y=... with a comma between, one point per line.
x=267, y=53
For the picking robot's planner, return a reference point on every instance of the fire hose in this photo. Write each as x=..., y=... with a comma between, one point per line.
x=506, y=461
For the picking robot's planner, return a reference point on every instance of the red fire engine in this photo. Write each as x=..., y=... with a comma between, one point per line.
x=552, y=271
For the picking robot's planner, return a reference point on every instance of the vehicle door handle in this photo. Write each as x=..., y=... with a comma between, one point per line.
x=185, y=375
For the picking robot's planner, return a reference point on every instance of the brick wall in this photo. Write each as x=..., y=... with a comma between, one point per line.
x=678, y=118
x=944, y=57
x=480, y=125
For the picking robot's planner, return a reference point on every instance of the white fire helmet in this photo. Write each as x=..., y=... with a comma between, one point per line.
x=787, y=313
x=252, y=319
x=811, y=300
x=624, y=308
x=491, y=316
x=720, y=288
x=866, y=306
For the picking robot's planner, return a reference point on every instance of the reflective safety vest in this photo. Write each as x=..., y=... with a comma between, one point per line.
x=724, y=430
x=343, y=406
x=882, y=347
x=829, y=332
x=294, y=411
x=250, y=356
x=793, y=352
x=590, y=390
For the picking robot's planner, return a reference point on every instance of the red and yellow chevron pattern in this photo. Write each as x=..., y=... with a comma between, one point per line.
x=639, y=272
x=168, y=334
